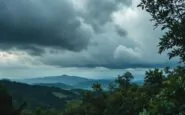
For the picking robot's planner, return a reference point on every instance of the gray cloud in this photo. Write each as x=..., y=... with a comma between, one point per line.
x=114, y=34
x=121, y=31
x=108, y=50
x=33, y=24
x=128, y=41
x=99, y=12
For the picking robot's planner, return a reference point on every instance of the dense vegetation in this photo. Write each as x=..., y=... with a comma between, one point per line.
x=38, y=96
x=162, y=94
x=163, y=90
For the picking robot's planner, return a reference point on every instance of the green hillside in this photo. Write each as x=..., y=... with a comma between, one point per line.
x=38, y=96
x=57, y=85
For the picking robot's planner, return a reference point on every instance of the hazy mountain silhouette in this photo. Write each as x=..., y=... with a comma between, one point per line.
x=70, y=82
x=65, y=79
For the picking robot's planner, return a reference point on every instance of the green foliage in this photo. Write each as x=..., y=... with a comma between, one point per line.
x=144, y=112
x=38, y=96
x=119, y=101
x=97, y=87
x=124, y=80
x=169, y=15
x=6, y=104
x=154, y=78
x=159, y=95
x=169, y=98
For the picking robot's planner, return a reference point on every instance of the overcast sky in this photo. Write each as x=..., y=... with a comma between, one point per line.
x=88, y=38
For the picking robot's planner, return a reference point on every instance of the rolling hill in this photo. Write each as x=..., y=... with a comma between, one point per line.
x=38, y=96
x=66, y=82
x=58, y=85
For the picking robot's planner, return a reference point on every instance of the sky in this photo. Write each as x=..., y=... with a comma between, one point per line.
x=88, y=38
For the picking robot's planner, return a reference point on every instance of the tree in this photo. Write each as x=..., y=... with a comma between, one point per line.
x=154, y=78
x=169, y=15
x=170, y=99
x=97, y=87
x=124, y=80
x=6, y=104
x=128, y=76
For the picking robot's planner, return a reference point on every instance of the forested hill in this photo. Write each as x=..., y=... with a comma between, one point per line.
x=38, y=96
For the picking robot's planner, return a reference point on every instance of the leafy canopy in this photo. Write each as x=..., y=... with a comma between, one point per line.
x=169, y=15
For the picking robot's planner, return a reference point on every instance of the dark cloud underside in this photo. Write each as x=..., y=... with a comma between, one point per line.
x=43, y=23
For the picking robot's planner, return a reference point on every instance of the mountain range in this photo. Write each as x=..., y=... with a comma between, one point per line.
x=65, y=79
x=53, y=91
x=70, y=82
x=66, y=82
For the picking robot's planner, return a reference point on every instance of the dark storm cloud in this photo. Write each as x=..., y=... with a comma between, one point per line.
x=99, y=11
x=32, y=24
x=60, y=31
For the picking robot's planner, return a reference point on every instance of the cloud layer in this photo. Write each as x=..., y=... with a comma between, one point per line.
x=34, y=24
x=112, y=34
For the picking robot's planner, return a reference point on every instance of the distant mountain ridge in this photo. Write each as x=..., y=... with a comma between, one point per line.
x=70, y=82
x=65, y=79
